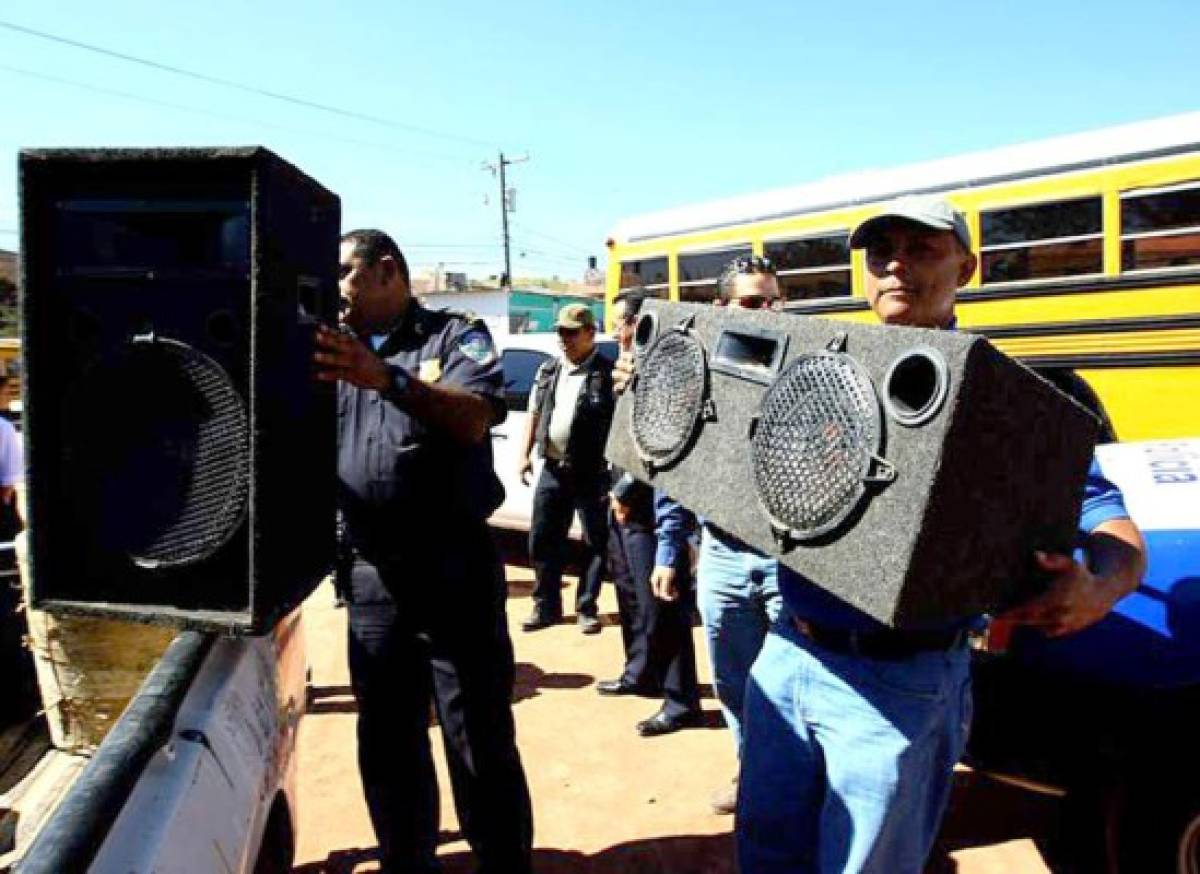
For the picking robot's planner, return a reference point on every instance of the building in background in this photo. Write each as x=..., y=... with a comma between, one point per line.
x=489, y=304
x=520, y=311
x=530, y=310
x=8, y=266
x=8, y=294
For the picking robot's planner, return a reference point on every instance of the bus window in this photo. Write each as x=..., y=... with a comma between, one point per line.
x=1160, y=228
x=650, y=273
x=812, y=267
x=1042, y=241
x=699, y=272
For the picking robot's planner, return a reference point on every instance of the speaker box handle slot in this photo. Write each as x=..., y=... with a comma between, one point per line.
x=645, y=333
x=308, y=296
x=754, y=354
x=915, y=386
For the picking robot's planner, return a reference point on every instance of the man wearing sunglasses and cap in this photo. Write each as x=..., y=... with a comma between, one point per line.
x=852, y=728
x=736, y=586
x=570, y=409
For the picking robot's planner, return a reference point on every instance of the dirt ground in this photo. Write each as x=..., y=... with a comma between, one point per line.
x=605, y=800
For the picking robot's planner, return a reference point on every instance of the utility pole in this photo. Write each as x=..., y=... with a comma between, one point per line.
x=506, y=206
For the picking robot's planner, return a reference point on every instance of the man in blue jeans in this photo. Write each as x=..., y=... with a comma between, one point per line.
x=852, y=730
x=737, y=588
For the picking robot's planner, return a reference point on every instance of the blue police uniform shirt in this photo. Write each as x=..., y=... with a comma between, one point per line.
x=1102, y=502
x=398, y=476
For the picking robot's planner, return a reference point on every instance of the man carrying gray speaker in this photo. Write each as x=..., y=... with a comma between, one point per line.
x=736, y=586
x=852, y=729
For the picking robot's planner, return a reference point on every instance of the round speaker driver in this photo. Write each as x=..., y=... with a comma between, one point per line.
x=157, y=454
x=668, y=397
x=817, y=433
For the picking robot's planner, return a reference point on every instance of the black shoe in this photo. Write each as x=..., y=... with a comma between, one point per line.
x=537, y=621
x=621, y=687
x=661, y=723
x=588, y=624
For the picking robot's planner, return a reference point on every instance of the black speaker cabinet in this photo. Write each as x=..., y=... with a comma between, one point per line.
x=181, y=459
x=909, y=472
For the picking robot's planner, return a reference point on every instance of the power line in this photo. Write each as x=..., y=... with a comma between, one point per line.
x=239, y=86
x=547, y=256
x=557, y=253
x=491, y=245
x=524, y=227
x=127, y=95
x=457, y=263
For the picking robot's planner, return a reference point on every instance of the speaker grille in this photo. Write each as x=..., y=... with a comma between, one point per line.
x=668, y=397
x=817, y=432
x=171, y=451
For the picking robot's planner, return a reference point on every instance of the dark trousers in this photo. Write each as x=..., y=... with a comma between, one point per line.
x=659, y=652
x=561, y=492
x=422, y=628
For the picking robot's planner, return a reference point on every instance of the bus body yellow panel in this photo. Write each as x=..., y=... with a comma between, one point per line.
x=1125, y=314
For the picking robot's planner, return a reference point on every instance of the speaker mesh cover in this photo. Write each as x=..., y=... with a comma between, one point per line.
x=813, y=445
x=669, y=397
x=172, y=451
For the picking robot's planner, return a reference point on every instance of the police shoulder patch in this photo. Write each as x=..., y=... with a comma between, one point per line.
x=476, y=344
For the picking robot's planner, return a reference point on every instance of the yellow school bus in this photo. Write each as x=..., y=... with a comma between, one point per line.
x=1089, y=249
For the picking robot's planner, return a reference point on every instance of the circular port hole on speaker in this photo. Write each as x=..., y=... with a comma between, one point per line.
x=915, y=386
x=222, y=328
x=645, y=331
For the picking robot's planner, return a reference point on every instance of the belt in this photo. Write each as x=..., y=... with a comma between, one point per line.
x=887, y=645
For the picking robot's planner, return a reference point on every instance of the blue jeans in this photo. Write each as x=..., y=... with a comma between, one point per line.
x=737, y=591
x=848, y=760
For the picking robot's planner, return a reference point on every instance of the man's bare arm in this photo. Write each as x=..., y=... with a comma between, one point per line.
x=1081, y=595
x=525, y=449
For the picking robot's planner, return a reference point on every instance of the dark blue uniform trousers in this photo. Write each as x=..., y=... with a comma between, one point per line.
x=434, y=625
x=659, y=652
x=561, y=492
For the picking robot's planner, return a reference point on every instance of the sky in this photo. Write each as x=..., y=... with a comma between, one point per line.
x=620, y=107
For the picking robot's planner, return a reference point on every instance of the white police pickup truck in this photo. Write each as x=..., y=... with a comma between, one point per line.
x=1111, y=716
x=199, y=773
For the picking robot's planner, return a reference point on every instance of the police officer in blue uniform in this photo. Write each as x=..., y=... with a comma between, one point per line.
x=418, y=391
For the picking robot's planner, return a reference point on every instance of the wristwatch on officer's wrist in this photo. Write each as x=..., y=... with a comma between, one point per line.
x=399, y=383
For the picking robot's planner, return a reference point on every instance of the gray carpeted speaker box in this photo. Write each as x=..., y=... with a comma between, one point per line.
x=974, y=462
x=168, y=304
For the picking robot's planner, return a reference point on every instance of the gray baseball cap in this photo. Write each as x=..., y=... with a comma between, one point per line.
x=932, y=212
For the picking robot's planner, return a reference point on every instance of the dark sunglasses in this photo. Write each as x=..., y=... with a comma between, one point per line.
x=568, y=332
x=752, y=302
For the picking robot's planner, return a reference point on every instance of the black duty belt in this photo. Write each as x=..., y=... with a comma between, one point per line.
x=887, y=645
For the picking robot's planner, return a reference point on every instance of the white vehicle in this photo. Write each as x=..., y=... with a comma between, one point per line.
x=198, y=775
x=522, y=355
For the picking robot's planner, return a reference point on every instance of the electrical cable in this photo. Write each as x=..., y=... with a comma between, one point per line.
x=229, y=83
x=112, y=92
x=522, y=226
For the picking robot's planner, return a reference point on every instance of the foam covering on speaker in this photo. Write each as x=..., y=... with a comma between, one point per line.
x=996, y=472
